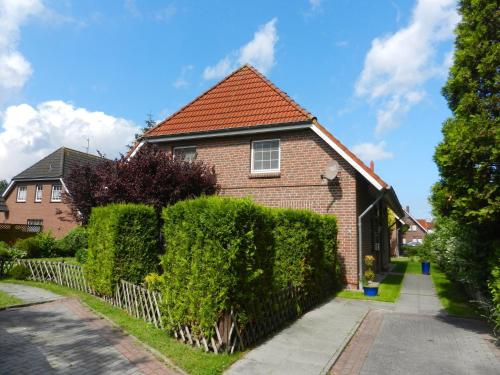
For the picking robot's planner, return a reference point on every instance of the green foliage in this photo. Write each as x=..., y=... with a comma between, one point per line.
x=468, y=158
x=73, y=242
x=153, y=281
x=19, y=272
x=122, y=244
x=304, y=246
x=224, y=253
x=41, y=245
x=81, y=255
x=410, y=251
x=424, y=251
x=494, y=288
x=459, y=252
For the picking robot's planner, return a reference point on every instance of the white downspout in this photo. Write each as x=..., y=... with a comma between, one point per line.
x=360, y=238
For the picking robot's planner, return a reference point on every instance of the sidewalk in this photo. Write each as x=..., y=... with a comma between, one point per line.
x=311, y=344
x=419, y=338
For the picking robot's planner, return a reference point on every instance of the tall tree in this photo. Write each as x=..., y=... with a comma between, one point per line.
x=3, y=186
x=152, y=177
x=468, y=158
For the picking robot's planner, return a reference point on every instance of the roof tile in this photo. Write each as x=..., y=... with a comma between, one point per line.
x=243, y=99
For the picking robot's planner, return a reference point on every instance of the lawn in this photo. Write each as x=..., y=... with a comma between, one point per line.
x=8, y=300
x=192, y=360
x=406, y=264
x=389, y=290
x=451, y=295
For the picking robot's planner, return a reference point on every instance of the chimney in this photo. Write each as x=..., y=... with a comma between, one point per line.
x=408, y=209
x=372, y=165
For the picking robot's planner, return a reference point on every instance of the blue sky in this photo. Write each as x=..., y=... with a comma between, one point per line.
x=371, y=71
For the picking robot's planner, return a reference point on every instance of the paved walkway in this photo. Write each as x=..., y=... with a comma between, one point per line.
x=29, y=294
x=64, y=337
x=310, y=345
x=419, y=338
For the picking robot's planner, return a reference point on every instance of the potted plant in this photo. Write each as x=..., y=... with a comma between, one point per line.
x=370, y=287
x=424, y=254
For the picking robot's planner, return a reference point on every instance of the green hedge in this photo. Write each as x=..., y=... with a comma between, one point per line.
x=122, y=244
x=224, y=253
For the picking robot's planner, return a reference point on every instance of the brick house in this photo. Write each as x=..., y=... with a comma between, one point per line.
x=417, y=229
x=34, y=196
x=264, y=145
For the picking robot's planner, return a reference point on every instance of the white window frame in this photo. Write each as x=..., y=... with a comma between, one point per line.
x=38, y=188
x=413, y=228
x=52, y=199
x=252, y=170
x=185, y=147
x=19, y=189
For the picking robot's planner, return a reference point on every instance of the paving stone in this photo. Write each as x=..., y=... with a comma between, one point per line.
x=64, y=337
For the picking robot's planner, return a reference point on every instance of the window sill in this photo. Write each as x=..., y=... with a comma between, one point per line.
x=265, y=175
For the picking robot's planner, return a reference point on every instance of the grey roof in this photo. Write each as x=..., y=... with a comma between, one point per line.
x=57, y=165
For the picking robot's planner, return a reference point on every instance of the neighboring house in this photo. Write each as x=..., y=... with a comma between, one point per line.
x=417, y=229
x=34, y=196
x=264, y=145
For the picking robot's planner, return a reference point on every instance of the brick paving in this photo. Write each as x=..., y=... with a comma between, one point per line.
x=419, y=338
x=64, y=337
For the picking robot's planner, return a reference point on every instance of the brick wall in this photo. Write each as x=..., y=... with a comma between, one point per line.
x=304, y=157
x=20, y=212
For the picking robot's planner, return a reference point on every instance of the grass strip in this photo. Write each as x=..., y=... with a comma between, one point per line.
x=452, y=295
x=389, y=290
x=192, y=360
x=7, y=300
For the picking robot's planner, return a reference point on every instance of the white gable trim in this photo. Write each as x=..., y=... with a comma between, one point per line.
x=346, y=156
x=7, y=190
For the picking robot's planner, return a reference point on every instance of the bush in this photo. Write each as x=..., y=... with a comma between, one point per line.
x=74, y=241
x=122, y=244
x=19, y=272
x=41, y=245
x=81, y=256
x=224, y=253
x=302, y=258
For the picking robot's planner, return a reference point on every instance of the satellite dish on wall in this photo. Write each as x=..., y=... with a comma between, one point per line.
x=331, y=171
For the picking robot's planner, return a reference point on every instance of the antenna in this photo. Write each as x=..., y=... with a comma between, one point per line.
x=331, y=171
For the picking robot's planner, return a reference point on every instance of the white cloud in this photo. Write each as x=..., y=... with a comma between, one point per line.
x=259, y=52
x=15, y=70
x=315, y=4
x=165, y=14
x=372, y=151
x=398, y=65
x=30, y=133
x=182, y=80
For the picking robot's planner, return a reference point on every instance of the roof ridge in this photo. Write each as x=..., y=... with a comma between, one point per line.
x=195, y=99
x=280, y=92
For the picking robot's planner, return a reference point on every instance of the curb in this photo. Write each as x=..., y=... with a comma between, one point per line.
x=155, y=352
x=28, y=304
x=346, y=342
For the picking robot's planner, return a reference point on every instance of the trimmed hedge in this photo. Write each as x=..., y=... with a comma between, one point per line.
x=224, y=253
x=122, y=244
x=74, y=241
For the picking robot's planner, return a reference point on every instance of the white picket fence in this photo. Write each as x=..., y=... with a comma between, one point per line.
x=136, y=300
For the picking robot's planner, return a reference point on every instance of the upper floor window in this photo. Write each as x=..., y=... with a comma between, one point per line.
x=56, y=193
x=38, y=193
x=21, y=193
x=414, y=228
x=266, y=156
x=185, y=153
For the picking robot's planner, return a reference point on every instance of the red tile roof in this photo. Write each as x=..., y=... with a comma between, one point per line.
x=243, y=99
x=351, y=155
x=425, y=224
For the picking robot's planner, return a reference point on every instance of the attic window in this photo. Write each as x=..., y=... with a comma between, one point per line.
x=21, y=193
x=266, y=156
x=56, y=193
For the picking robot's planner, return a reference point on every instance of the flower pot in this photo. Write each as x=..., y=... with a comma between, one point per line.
x=371, y=290
x=426, y=268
